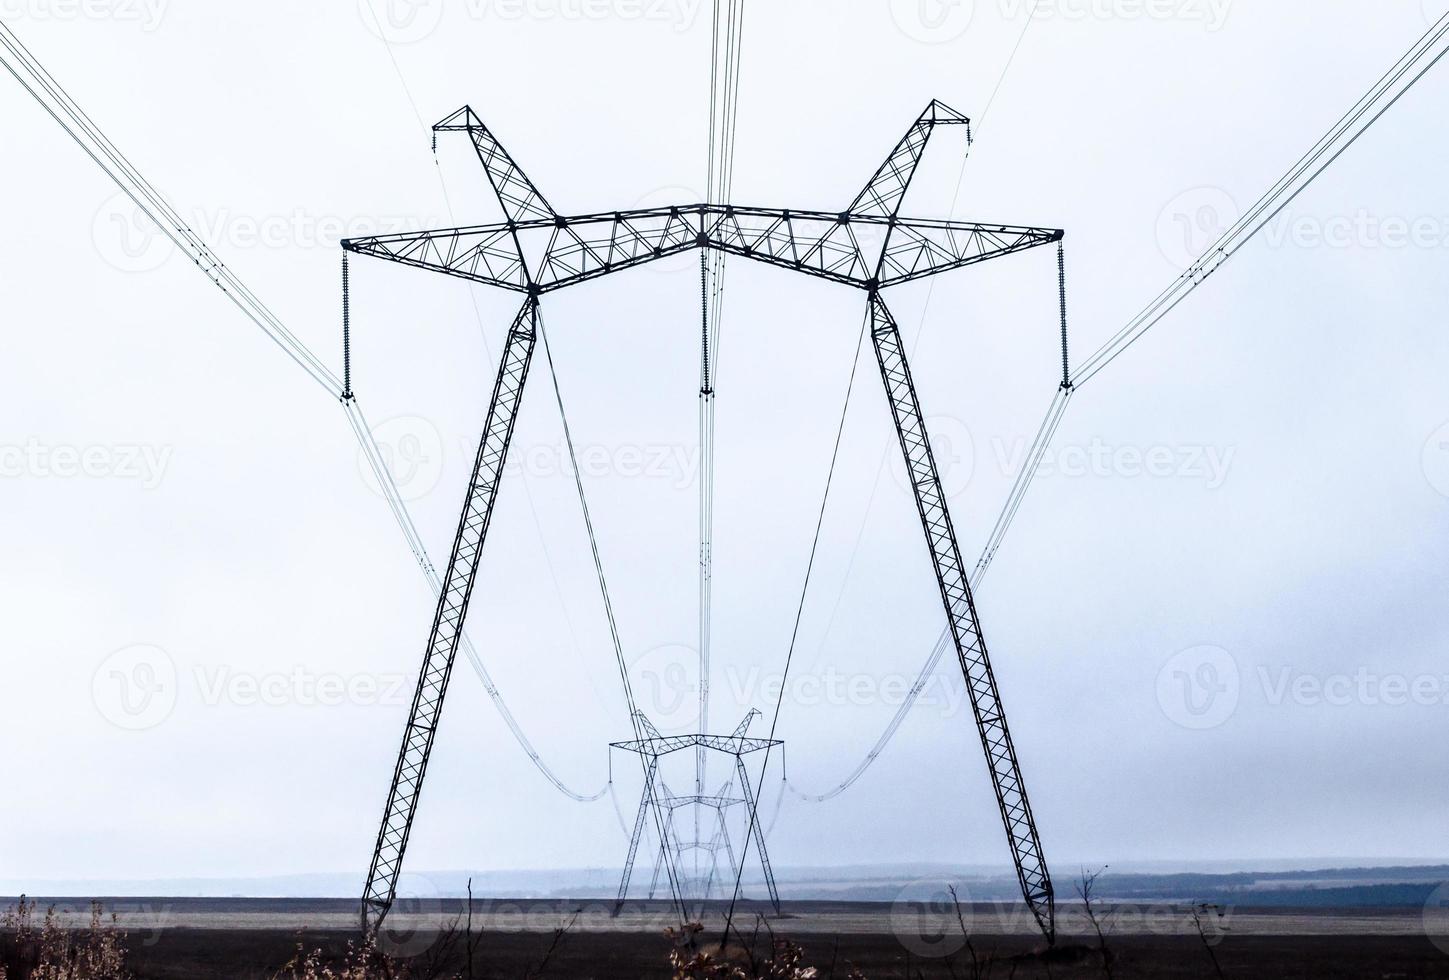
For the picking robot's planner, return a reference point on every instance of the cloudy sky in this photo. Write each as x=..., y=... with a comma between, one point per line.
x=1218, y=624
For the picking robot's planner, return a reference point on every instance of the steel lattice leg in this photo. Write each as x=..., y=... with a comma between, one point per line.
x=749, y=795
x=1016, y=814
x=729, y=846
x=638, y=835
x=462, y=570
x=658, y=867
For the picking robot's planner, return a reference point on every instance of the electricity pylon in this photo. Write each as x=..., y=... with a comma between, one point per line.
x=653, y=747
x=868, y=246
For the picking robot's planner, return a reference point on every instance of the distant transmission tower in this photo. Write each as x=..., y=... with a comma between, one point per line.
x=654, y=747
x=867, y=246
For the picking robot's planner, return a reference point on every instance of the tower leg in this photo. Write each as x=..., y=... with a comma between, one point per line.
x=749, y=795
x=658, y=867
x=417, y=742
x=724, y=832
x=638, y=834
x=1031, y=869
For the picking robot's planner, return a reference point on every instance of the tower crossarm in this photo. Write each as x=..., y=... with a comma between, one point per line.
x=715, y=802
x=744, y=725
x=888, y=186
x=516, y=193
x=920, y=248
x=666, y=744
x=868, y=246
x=845, y=247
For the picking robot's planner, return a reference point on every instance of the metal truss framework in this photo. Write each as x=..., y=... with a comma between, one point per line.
x=652, y=748
x=867, y=246
x=462, y=571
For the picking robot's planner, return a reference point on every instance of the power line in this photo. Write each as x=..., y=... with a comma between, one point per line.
x=68, y=114
x=971, y=133
x=100, y=149
x=619, y=659
x=725, y=53
x=524, y=742
x=1381, y=97
x=799, y=615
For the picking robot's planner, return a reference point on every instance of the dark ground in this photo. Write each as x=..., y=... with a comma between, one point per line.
x=203, y=954
x=209, y=939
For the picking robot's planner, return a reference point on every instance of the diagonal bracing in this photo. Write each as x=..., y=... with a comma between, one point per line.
x=442, y=649
x=867, y=246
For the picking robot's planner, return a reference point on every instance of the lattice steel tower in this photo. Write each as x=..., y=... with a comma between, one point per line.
x=868, y=246
x=657, y=797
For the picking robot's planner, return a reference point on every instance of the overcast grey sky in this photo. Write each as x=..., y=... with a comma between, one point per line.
x=1218, y=625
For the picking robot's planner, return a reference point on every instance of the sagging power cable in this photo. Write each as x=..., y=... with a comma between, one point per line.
x=799, y=616
x=1427, y=52
x=619, y=659
x=945, y=642
x=67, y=113
x=725, y=53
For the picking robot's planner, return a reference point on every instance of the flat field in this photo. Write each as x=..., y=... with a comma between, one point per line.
x=201, y=939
